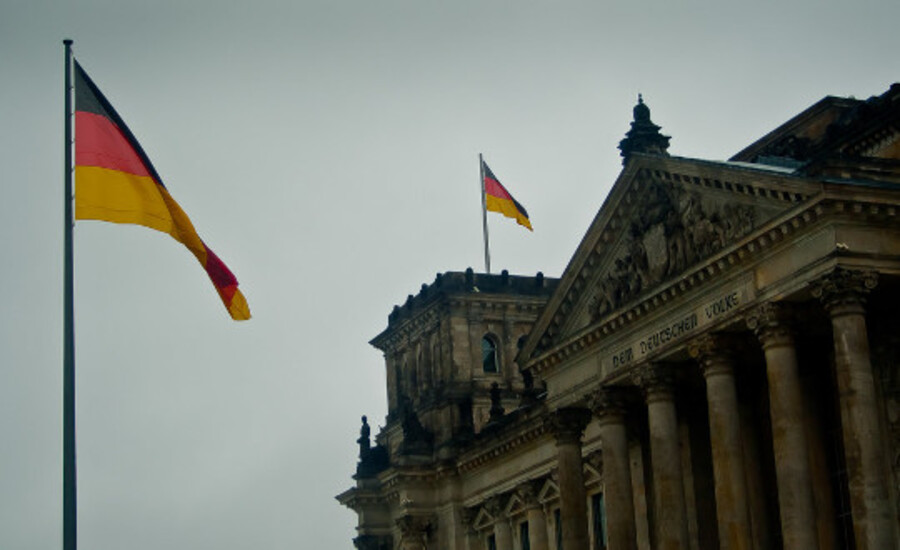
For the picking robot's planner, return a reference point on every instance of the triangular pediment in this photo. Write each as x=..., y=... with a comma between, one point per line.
x=483, y=519
x=663, y=217
x=514, y=506
x=592, y=474
x=549, y=492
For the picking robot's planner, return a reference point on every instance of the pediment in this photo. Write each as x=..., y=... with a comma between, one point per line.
x=592, y=475
x=549, y=492
x=514, y=506
x=663, y=217
x=483, y=519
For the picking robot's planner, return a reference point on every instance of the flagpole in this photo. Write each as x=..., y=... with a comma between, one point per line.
x=487, y=254
x=69, y=499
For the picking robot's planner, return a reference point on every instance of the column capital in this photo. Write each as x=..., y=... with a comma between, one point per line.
x=714, y=353
x=568, y=424
x=844, y=290
x=771, y=322
x=656, y=380
x=494, y=506
x=468, y=516
x=415, y=528
x=608, y=404
x=528, y=493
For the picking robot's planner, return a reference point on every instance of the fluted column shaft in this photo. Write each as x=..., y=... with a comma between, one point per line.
x=618, y=495
x=568, y=425
x=789, y=442
x=843, y=294
x=732, y=512
x=665, y=456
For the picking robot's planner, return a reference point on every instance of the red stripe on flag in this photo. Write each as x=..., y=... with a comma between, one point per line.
x=218, y=272
x=495, y=188
x=99, y=142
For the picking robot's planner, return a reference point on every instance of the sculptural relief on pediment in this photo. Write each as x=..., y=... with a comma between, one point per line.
x=670, y=229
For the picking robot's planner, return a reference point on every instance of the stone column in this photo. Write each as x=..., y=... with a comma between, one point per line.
x=618, y=496
x=414, y=531
x=843, y=294
x=534, y=514
x=503, y=533
x=795, y=494
x=730, y=479
x=665, y=457
x=501, y=528
x=568, y=426
x=473, y=538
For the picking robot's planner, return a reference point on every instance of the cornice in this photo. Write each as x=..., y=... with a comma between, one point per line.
x=489, y=306
x=355, y=498
x=481, y=456
x=727, y=261
x=409, y=329
x=755, y=183
x=758, y=244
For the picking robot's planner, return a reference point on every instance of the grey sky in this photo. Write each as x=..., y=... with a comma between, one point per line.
x=327, y=151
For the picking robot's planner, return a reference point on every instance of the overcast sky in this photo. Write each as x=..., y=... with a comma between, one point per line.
x=327, y=151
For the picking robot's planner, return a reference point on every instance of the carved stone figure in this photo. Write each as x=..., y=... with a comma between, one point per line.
x=673, y=229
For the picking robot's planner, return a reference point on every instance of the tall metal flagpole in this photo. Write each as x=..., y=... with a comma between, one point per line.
x=69, y=500
x=487, y=254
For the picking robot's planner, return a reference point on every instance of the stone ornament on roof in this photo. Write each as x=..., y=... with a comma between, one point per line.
x=644, y=136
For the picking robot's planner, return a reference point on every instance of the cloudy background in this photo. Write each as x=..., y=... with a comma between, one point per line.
x=327, y=150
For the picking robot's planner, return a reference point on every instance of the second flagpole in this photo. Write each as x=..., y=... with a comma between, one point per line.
x=487, y=253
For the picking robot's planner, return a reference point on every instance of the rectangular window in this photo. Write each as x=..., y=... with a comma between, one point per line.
x=598, y=519
x=557, y=519
x=523, y=536
x=491, y=543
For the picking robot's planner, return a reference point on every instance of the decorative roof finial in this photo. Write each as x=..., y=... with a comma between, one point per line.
x=644, y=136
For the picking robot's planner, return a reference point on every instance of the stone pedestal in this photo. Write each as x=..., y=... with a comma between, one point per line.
x=843, y=293
x=732, y=512
x=795, y=494
x=618, y=495
x=568, y=426
x=665, y=457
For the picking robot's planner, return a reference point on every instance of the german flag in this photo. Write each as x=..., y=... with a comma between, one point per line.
x=115, y=182
x=498, y=199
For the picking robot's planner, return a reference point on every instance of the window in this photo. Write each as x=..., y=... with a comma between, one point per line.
x=489, y=359
x=557, y=519
x=523, y=536
x=491, y=543
x=598, y=518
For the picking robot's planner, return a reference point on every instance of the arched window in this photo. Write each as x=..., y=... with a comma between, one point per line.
x=490, y=361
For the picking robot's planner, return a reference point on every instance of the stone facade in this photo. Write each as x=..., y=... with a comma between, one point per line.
x=718, y=366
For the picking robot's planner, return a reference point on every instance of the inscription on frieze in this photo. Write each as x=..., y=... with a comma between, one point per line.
x=676, y=328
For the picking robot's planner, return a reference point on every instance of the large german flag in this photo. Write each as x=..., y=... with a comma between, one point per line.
x=115, y=182
x=498, y=199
